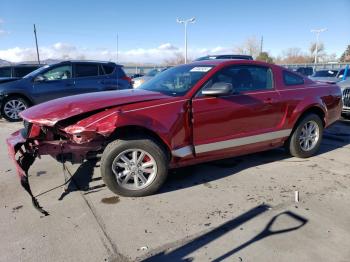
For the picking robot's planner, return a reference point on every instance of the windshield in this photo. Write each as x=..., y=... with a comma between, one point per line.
x=153, y=72
x=176, y=81
x=35, y=72
x=341, y=73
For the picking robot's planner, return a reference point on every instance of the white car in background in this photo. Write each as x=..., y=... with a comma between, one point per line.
x=345, y=89
x=138, y=81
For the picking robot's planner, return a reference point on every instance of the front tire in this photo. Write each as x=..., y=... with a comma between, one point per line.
x=134, y=167
x=306, y=138
x=12, y=106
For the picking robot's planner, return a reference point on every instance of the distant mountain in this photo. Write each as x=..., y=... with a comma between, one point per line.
x=46, y=62
x=4, y=62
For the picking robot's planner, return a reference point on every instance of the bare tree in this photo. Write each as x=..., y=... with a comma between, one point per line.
x=177, y=59
x=250, y=46
x=294, y=55
x=320, y=50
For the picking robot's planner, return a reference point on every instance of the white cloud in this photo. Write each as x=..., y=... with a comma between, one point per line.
x=167, y=46
x=62, y=50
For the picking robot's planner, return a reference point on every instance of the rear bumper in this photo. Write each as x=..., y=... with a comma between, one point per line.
x=345, y=110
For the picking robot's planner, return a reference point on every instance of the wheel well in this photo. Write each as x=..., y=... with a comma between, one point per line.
x=314, y=110
x=127, y=131
x=21, y=96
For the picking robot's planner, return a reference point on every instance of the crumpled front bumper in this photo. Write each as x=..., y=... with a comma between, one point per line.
x=14, y=144
x=23, y=157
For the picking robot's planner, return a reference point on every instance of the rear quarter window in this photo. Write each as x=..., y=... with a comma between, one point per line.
x=107, y=69
x=120, y=72
x=85, y=70
x=291, y=79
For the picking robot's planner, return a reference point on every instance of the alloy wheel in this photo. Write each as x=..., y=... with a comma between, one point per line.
x=309, y=135
x=134, y=169
x=13, y=107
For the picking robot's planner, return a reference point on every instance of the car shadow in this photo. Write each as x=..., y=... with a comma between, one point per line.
x=81, y=179
x=180, y=253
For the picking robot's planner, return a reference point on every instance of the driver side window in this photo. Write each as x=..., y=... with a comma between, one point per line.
x=58, y=73
x=244, y=78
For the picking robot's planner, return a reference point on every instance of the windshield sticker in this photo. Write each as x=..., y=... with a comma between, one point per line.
x=201, y=69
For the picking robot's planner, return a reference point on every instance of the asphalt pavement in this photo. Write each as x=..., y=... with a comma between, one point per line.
x=238, y=209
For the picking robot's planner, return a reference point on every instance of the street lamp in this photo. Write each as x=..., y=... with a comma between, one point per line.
x=317, y=32
x=185, y=22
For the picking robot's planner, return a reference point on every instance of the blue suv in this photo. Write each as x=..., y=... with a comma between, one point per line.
x=58, y=80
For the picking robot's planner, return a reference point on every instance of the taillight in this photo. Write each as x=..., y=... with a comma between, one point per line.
x=127, y=79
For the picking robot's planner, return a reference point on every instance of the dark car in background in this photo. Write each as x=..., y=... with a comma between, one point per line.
x=59, y=80
x=306, y=71
x=324, y=75
x=14, y=72
x=212, y=57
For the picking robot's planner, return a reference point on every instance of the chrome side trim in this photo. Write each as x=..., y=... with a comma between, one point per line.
x=242, y=141
x=183, y=151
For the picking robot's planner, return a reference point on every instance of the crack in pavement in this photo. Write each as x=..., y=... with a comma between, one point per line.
x=112, y=250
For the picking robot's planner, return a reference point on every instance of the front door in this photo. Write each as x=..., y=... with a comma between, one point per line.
x=251, y=114
x=54, y=83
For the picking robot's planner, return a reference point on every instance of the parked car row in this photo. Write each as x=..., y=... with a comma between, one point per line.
x=20, y=90
x=14, y=72
x=59, y=80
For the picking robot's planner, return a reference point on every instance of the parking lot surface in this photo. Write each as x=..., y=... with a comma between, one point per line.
x=238, y=209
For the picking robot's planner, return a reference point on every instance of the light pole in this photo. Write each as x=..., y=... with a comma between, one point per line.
x=317, y=32
x=185, y=22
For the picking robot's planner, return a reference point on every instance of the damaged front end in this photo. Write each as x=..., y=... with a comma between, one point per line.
x=59, y=141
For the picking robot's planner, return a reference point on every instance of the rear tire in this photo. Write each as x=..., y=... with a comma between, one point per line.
x=306, y=138
x=12, y=106
x=134, y=167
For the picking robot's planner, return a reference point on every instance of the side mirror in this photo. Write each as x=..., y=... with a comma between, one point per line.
x=39, y=78
x=218, y=89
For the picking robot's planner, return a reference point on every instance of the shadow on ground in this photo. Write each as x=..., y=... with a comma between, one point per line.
x=80, y=180
x=179, y=253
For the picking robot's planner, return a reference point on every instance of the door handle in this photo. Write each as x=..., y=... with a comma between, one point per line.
x=69, y=84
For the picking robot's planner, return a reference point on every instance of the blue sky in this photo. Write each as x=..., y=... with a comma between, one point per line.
x=148, y=30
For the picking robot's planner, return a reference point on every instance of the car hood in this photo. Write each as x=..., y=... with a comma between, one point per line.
x=49, y=113
x=8, y=79
x=8, y=84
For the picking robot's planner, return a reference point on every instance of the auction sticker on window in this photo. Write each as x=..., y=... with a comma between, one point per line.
x=201, y=69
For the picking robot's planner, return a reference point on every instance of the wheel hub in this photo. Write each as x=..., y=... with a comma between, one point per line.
x=12, y=108
x=309, y=136
x=134, y=169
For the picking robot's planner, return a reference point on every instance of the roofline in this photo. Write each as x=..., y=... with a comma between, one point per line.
x=89, y=61
x=216, y=62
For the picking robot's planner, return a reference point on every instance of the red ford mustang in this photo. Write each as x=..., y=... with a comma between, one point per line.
x=188, y=114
